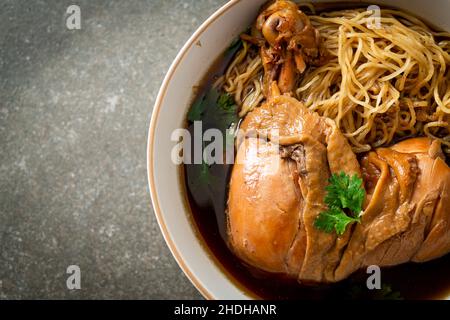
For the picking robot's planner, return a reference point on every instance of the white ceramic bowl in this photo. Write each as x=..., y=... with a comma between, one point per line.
x=174, y=98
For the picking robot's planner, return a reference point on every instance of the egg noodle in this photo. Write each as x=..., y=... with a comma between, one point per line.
x=378, y=84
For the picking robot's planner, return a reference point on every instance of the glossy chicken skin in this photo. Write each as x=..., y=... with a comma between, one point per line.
x=275, y=196
x=256, y=213
x=277, y=189
x=407, y=217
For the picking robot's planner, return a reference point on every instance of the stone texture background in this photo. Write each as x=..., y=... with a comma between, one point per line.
x=74, y=114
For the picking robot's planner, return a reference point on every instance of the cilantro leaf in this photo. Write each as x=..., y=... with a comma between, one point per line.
x=333, y=218
x=226, y=102
x=345, y=192
x=361, y=292
x=196, y=111
x=387, y=293
x=216, y=110
x=201, y=106
x=204, y=177
x=225, y=114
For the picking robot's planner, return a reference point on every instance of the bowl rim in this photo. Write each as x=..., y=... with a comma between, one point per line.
x=150, y=145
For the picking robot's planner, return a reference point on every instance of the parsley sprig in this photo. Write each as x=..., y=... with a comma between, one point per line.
x=345, y=194
x=359, y=291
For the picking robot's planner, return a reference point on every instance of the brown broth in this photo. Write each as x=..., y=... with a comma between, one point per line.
x=412, y=280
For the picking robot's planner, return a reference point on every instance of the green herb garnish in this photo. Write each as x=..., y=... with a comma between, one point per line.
x=226, y=102
x=334, y=218
x=197, y=110
x=216, y=110
x=387, y=293
x=360, y=292
x=344, y=194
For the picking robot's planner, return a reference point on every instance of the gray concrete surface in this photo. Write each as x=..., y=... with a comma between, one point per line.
x=74, y=112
